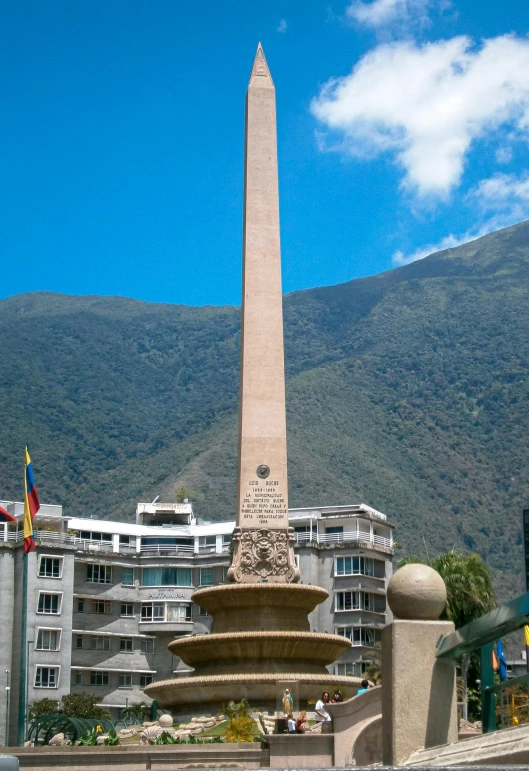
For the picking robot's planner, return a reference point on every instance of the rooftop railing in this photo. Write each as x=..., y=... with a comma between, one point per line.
x=53, y=537
x=341, y=538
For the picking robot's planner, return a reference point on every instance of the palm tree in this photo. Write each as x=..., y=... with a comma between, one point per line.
x=137, y=711
x=469, y=595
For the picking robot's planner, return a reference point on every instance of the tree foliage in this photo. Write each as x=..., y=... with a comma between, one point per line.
x=83, y=705
x=469, y=589
x=408, y=391
x=137, y=711
x=41, y=707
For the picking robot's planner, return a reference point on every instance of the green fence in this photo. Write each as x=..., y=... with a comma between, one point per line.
x=481, y=635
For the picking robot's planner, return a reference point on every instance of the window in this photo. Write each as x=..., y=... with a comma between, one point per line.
x=49, y=603
x=166, y=577
x=226, y=539
x=86, y=535
x=358, y=635
x=206, y=576
x=79, y=641
x=202, y=611
x=181, y=612
x=206, y=541
x=103, y=607
x=127, y=576
x=145, y=680
x=349, y=566
x=351, y=668
x=153, y=611
x=302, y=529
x=334, y=530
x=48, y=640
x=99, y=574
x=80, y=606
x=127, y=609
x=100, y=643
x=354, y=601
x=125, y=645
x=147, y=646
x=98, y=678
x=124, y=540
x=47, y=677
x=125, y=681
x=50, y=567
x=77, y=678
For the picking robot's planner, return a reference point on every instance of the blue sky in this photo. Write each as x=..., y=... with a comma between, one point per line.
x=403, y=126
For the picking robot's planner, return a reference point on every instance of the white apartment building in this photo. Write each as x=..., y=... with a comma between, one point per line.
x=105, y=598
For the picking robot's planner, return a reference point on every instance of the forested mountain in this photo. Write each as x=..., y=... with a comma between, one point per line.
x=408, y=391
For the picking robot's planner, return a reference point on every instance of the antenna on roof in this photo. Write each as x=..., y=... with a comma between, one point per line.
x=152, y=504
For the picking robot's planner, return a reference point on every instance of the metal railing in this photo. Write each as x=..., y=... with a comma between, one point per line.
x=160, y=549
x=481, y=635
x=341, y=538
x=321, y=539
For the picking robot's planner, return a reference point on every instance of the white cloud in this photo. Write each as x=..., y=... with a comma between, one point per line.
x=504, y=154
x=503, y=192
x=426, y=104
x=282, y=26
x=448, y=242
x=380, y=12
x=500, y=201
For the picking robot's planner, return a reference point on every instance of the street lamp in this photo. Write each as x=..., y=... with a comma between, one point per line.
x=8, y=691
x=29, y=642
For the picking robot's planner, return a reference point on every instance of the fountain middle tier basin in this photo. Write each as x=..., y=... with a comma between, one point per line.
x=278, y=651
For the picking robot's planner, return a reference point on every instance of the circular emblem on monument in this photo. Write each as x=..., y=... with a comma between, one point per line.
x=263, y=472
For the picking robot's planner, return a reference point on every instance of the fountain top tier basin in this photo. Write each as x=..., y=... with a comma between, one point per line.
x=258, y=607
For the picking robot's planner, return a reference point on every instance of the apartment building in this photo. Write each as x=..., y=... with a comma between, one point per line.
x=105, y=598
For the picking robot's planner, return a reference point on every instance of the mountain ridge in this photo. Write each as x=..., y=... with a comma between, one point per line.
x=406, y=390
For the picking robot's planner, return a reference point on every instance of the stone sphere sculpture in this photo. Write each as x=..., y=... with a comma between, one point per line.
x=165, y=721
x=416, y=592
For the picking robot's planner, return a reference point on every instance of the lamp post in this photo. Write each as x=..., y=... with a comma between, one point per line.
x=8, y=691
x=26, y=710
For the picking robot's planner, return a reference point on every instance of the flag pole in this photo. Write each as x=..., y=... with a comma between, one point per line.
x=23, y=661
x=31, y=506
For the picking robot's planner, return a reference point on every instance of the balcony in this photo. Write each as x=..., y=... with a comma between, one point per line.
x=339, y=539
x=165, y=550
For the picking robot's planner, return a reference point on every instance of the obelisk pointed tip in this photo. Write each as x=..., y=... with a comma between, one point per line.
x=260, y=73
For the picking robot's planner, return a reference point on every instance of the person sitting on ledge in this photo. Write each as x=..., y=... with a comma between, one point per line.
x=302, y=724
x=337, y=698
x=322, y=716
x=291, y=723
x=364, y=688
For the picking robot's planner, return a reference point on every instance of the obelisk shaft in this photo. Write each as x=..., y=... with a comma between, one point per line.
x=263, y=493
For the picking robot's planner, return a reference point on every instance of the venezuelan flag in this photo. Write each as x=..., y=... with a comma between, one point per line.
x=31, y=505
x=5, y=517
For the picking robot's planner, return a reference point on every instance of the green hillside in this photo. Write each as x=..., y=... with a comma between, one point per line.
x=408, y=391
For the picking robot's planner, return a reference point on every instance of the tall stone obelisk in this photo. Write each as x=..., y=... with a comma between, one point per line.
x=262, y=540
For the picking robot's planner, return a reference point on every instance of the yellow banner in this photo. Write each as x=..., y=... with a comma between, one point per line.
x=526, y=634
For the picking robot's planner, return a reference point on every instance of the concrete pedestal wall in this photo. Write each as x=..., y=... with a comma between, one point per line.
x=418, y=690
